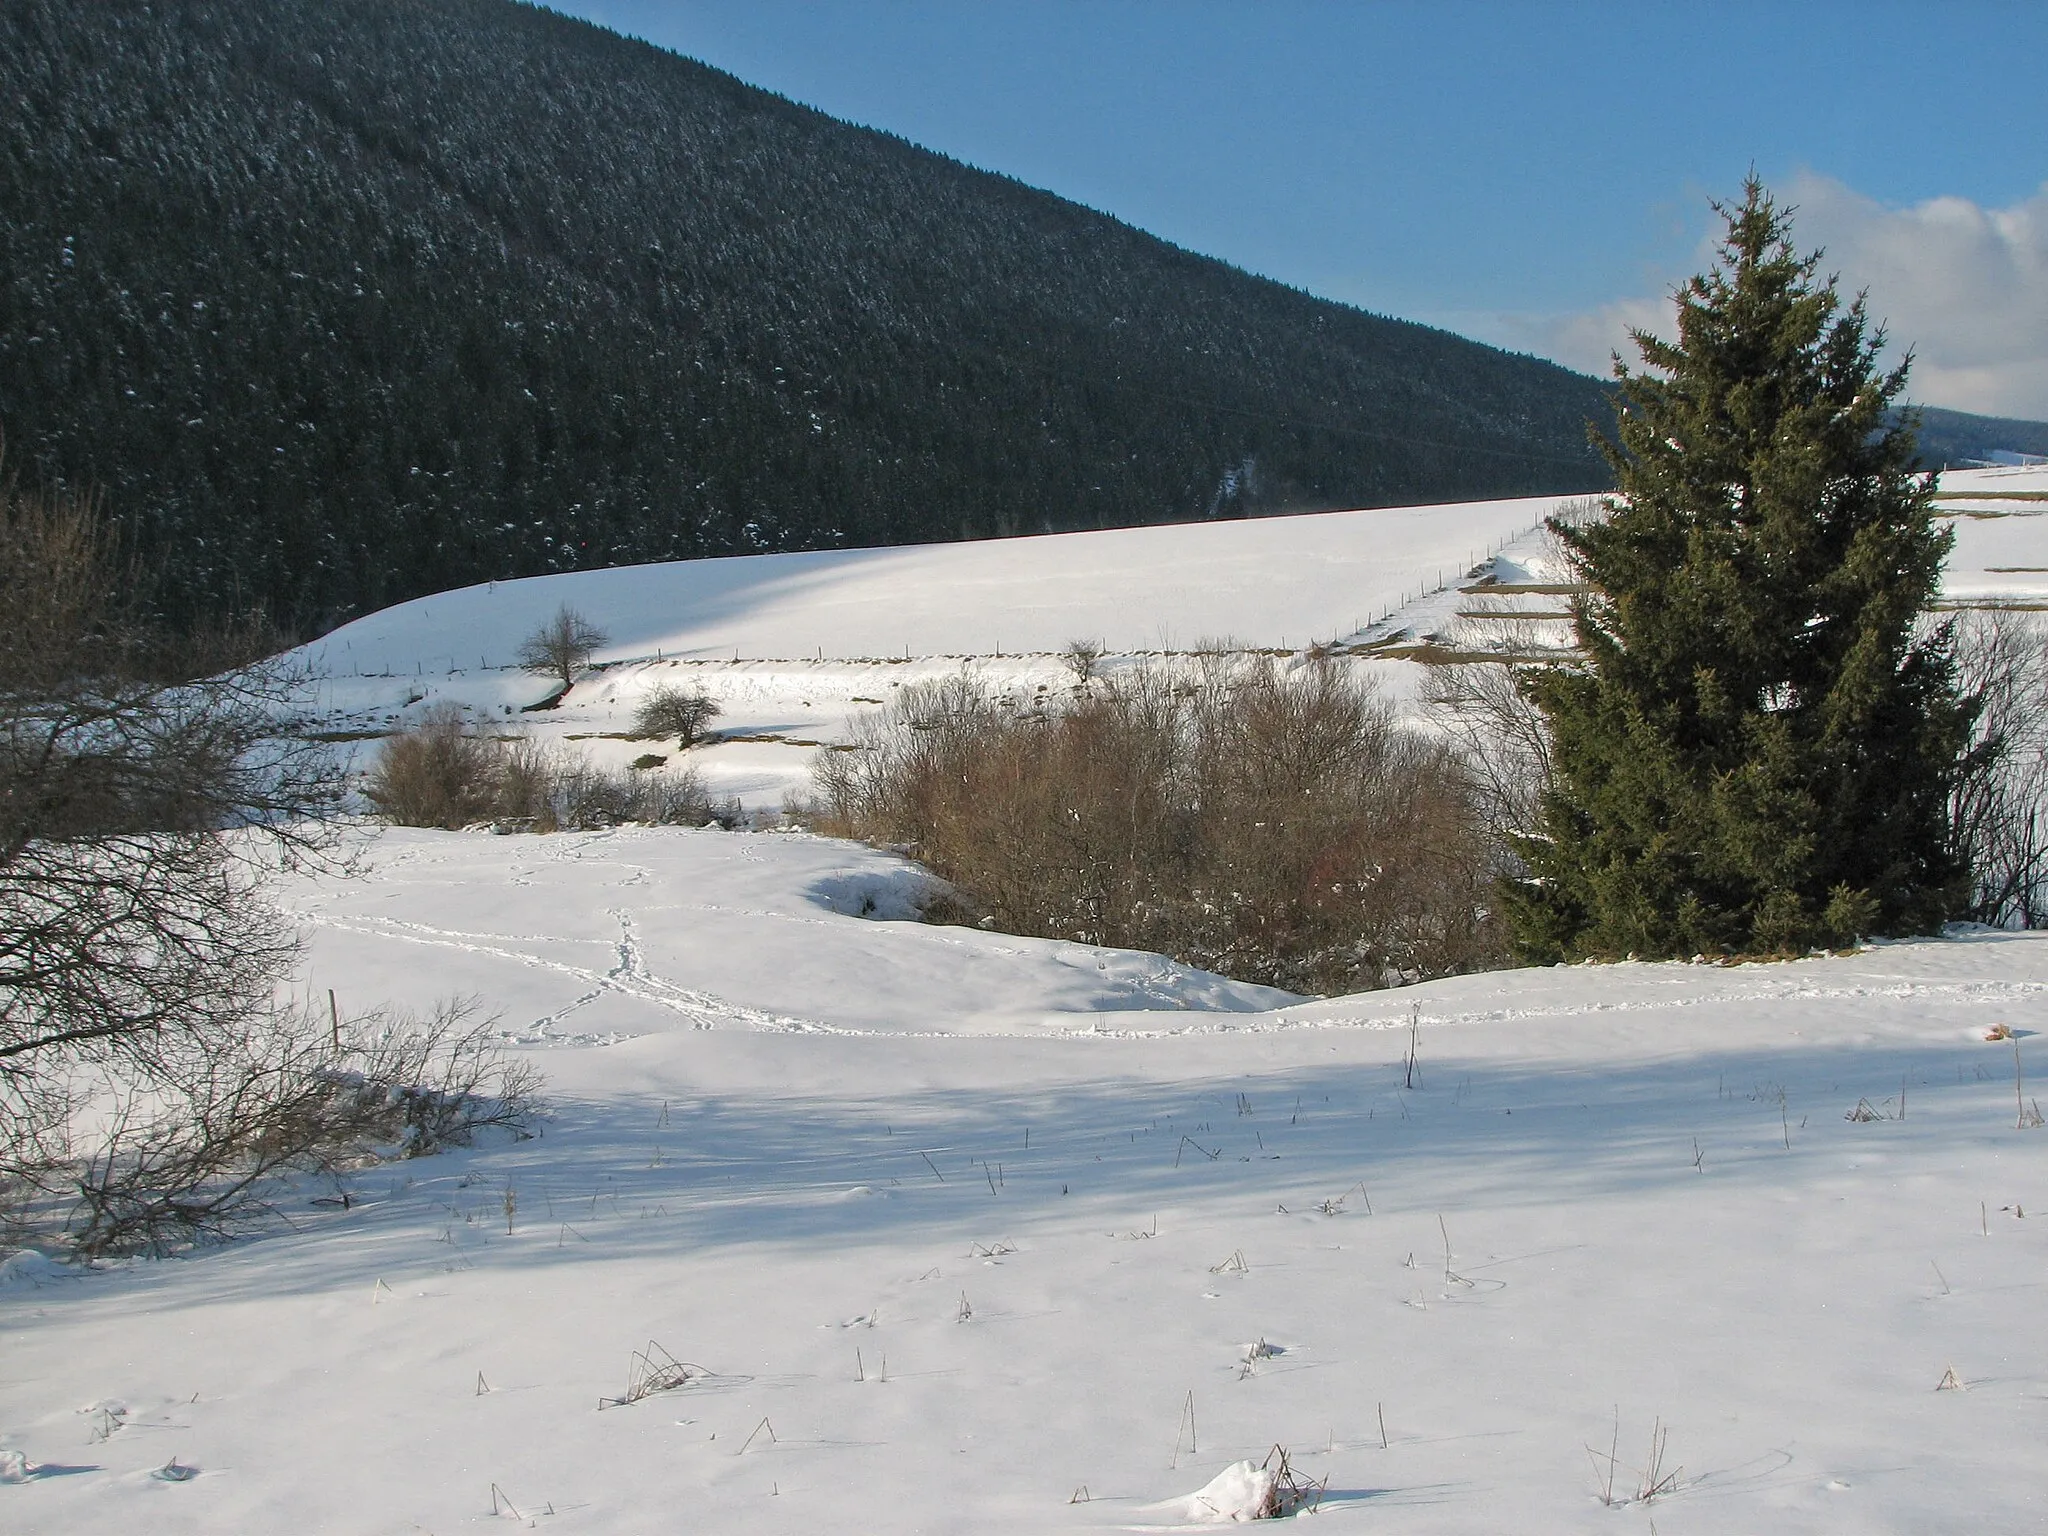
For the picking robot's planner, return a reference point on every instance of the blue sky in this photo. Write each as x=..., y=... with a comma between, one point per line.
x=1533, y=174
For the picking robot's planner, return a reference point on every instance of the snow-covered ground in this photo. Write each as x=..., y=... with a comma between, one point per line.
x=791, y=646
x=957, y=1225
x=965, y=1232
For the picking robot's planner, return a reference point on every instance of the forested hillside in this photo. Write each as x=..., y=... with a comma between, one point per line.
x=339, y=304
x=1956, y=437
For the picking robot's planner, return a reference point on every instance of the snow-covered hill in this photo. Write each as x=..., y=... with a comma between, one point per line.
x=965, y=1232
x=791, y=645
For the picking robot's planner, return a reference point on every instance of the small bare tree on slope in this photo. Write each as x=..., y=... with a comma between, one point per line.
x=562, y=646
x=681, y=713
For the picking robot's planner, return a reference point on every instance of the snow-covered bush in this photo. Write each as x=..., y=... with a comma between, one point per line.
x=1253, y=1490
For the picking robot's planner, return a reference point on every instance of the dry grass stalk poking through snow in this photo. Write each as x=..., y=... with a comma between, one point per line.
x=1654, y=1480
x=653, y=1370
x=1275, y=826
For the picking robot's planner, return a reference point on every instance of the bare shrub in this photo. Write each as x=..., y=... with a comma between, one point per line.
x=681, y=713
x=411, y=1087
x=549, y=789
x=1998, y=810
x=1346, y=851
x=438, y=774
x=1276, y=826
x=524, y=794
x=444, y=773
x=203, y=1155
x=561, y=647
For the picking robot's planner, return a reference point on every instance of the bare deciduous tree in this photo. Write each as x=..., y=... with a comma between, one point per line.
x=137, y=802
x=148, y=787
x=562, y=646
x=1481, y=709
x=1999, y=807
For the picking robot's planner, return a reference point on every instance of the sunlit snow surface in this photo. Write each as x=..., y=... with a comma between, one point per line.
x=984, y=1234
x=794, y=1146
x=793, y=646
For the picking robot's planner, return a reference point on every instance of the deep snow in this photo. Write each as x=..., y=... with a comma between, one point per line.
x=968, y=1232
x=965, y=1218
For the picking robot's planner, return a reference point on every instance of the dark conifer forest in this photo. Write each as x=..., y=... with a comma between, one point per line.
x=340, y=303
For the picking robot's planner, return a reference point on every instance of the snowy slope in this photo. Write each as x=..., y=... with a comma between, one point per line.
x=1273, y=582
x=978, y=1233
x=792, y=645
x=2000, y=518
x=1267, y=582
x=956, y=1223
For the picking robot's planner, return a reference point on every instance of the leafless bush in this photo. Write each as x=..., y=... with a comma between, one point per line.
x=677, y=712
x=523, y=791
x=1999, y=807
x=1273, y=825
x=203, y=1153
x=1498, y=733
x=438, y=774
x=444, y=773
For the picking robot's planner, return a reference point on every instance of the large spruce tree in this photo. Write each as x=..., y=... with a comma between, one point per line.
x=1755, y=752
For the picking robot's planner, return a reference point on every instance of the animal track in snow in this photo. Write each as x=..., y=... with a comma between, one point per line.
x=628, y=978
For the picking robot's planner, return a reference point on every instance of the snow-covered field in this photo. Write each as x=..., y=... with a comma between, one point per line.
x=792, y=645
x=955, y=1223
x=965, y=1232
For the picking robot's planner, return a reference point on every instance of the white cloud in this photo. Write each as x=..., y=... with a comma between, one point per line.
x=1964, y=286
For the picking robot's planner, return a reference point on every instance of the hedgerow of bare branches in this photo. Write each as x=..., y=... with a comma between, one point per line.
x=1275, y=825
x=445, y=773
